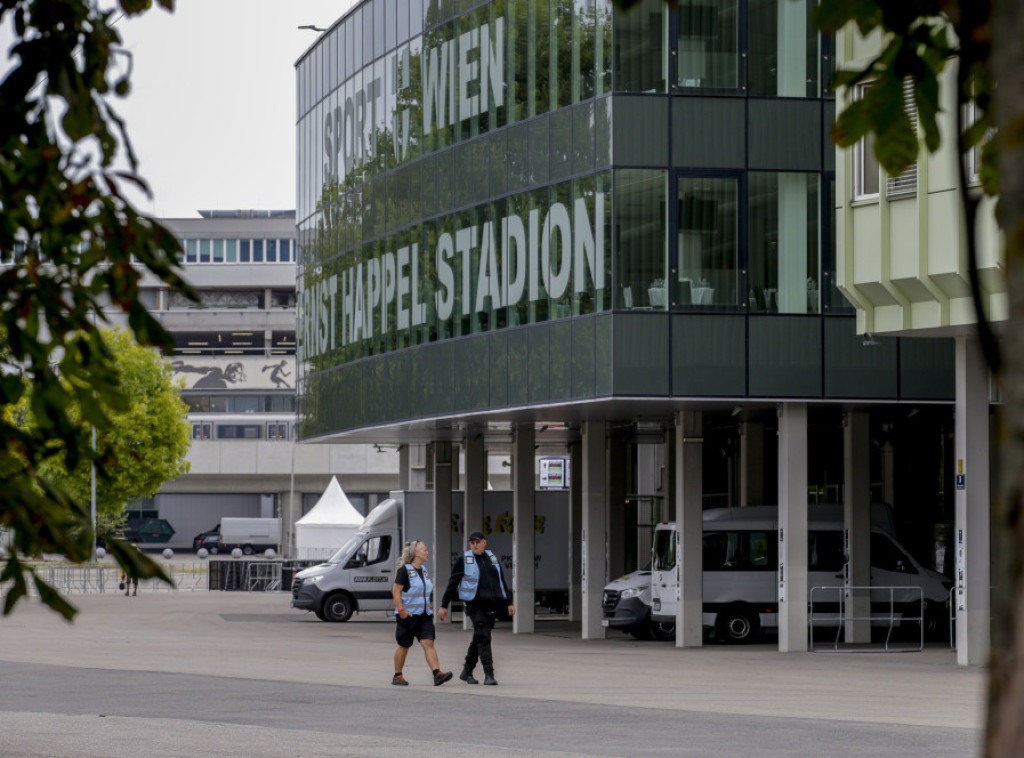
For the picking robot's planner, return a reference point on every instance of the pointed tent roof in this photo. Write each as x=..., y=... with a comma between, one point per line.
x=332, y=508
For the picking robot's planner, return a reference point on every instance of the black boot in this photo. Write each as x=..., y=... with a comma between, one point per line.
x=489, y=675
x=467, y=675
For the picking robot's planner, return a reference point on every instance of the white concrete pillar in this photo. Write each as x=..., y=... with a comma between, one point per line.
x=972, y=497
x=440, y=549
x=476, y=483
x=689, y=501
x=592, y=529
x=412, y=467
x=857, y=525
x=751, y=464
x=575, y=530
x=524, y=491
x=793, y=527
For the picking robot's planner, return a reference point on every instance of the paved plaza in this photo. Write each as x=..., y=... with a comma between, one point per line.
x=224, y=673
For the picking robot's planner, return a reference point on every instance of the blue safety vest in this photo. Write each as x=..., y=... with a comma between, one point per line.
x=471, y=576
x=416, y=599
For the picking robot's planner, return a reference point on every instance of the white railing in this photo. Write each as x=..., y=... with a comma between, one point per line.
x=882, y=598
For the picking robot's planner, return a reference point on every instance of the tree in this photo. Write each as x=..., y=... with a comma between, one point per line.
x=68, y=242
x=982, y=39
x=147, y=440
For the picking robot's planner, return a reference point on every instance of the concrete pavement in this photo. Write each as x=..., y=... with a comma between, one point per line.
x=244, y=674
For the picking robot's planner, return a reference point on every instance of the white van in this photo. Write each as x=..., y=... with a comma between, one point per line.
x=740, y=570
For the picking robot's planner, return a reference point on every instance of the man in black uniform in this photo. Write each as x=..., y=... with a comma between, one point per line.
x=481, y=586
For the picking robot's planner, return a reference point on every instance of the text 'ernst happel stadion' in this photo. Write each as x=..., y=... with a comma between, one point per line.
x=539, y=255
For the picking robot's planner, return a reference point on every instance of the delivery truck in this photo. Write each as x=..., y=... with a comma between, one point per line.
x=359, y=576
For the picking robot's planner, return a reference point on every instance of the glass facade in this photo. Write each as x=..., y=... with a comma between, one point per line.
x=466, y=169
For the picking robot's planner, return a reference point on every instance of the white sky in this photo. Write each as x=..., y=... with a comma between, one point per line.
x=212, y=109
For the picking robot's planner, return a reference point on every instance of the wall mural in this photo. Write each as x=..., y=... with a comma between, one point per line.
x=233, y=372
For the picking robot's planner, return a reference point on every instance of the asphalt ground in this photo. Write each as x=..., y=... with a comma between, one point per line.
x=226, y=673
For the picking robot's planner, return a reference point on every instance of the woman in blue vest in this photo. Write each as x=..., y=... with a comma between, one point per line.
x=411, y=592
x=482, y=588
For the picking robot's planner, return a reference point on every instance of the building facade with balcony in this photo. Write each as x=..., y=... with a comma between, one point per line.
x=235, y=354
x=543, y=227
x=903, y=263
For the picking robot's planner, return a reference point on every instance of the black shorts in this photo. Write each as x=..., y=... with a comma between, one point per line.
x=413, y=628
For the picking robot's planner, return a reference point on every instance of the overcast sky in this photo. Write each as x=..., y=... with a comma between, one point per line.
x=212, y=110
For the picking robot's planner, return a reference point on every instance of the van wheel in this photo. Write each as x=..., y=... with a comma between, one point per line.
x=663, y=630
x=320, y=614
x=738, y=625
x=936, y=621
x=247, y=550
x=338, y=607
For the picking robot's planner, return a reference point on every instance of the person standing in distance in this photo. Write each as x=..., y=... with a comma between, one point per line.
x=411, y=592
x=481, y=585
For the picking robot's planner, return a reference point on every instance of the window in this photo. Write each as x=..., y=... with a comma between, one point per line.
x=664, y=550
x=202, y=431
x=640, y=47
x=784, y=57
x=277, y=430
x=825, y=551
x=887, y=557
x=374, y=550
x=707, y=241
x=238, y=431
x=640, y=254
x=708, y=44
x=739, y=551
x=784, y=249
x=865, y=165
x=905, y=183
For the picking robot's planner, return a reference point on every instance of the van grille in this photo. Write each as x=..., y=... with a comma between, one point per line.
x=296, y=584
x=609, y=600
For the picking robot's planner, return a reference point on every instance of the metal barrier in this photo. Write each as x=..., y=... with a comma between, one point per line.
x=837, y=617
x=70, y=579
x=263, y=577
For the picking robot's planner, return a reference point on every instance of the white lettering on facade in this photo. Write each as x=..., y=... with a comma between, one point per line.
x=499, y=262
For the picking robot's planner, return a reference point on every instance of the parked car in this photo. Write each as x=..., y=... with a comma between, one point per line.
x=197, y=541
x=211, y=542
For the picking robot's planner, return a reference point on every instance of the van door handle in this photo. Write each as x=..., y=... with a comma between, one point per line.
x=385, y=571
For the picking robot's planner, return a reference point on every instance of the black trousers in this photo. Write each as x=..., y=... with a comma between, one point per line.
x=480, y=646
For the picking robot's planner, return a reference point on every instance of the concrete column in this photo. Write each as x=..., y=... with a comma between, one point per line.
x=476, y=483
x=618, y=450
x=857, y=525
x=689, y=502
x=524, y=491
x=575, y=529
x=440, y=549
x=793, y=527
x=592, y=532
x=291, y=511
x=751, y=464
x=412, y=467
x=973, y=517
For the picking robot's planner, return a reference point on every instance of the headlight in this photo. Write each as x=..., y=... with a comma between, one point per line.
x=313, y=579
x=631, y=592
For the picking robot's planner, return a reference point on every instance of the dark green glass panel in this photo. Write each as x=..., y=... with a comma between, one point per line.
x=584, y=355
x=497, y=370
x=785, y=356
x=518, y=366
x=561, y=360
x=853, y=369
x=708, y=355
x=641, y=353
x=540, y=366
x=927, y=368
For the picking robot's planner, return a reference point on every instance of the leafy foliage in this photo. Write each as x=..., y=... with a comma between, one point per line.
x=68, y=240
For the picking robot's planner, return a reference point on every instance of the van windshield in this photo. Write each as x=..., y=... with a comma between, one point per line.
x=664, y=550
x=347, y=548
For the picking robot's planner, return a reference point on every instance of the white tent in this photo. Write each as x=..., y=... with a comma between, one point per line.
x=327, y=525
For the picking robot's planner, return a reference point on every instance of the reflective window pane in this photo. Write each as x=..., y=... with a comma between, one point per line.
x=707, y=241
x=708, y=56
x=641, y=255
x=784, y=55
x=640, y=47
x=783, y=271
